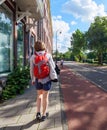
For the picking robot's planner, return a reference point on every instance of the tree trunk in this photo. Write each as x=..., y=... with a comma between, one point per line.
x=100, y=58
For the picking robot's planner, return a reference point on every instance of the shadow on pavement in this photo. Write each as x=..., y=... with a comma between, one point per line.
x=25, y=106
x=85, y=104
x=25, y=126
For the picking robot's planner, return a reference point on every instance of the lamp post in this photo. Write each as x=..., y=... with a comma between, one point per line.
x=57, y=31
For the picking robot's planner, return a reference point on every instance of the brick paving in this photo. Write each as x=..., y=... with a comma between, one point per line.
x=85, y=104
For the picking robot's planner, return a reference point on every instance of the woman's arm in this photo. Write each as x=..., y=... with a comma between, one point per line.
x=53, y=74
x=51, y=61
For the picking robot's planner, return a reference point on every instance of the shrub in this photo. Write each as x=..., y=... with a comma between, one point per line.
x=16, y=82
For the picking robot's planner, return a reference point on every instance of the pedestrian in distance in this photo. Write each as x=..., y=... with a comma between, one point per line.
x=61, y=63
x=42, y=71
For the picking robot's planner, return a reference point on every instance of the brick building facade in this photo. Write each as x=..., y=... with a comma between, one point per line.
x=22, y=22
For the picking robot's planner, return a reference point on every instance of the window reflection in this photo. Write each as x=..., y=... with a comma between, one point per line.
x=31, y=45
x=20, y=44
x=5, y=43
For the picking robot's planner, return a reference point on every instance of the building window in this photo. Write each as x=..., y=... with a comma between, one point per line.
x=31, y=45
x=20, y=44
x=6, y=41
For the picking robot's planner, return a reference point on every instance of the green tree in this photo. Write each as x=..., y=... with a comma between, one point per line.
x=68, y=55
x=78, y=44
x=97, y=37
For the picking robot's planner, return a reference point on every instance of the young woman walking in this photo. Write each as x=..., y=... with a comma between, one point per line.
x=42, y=81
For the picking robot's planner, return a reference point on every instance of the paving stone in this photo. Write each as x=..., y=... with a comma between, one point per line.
x=54, y=114
x=8, y=113
x=31, y=104
x=13, y=127
x=33, y=110
x=24, y=111
x=51, y=108
x=26, y=118
x=47, y=124
x=58, y=121
x=56, y=128
x=58, y=106
x=8, y=120
x=33, y=125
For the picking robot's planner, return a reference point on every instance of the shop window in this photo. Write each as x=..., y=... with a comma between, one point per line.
x=20, y=44
x=6, y=41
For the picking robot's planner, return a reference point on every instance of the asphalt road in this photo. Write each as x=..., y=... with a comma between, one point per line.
x=97, y=75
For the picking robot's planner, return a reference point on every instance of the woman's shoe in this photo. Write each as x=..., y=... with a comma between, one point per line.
x=43, y=118
x=38, y=116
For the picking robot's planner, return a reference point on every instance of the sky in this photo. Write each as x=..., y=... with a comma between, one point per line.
x=70, y=15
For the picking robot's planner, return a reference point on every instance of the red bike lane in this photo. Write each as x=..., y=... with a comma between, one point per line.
x=85, y=104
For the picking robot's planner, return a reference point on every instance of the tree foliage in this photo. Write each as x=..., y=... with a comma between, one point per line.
x=90, y=45
x=97, y=37
x=78, y=44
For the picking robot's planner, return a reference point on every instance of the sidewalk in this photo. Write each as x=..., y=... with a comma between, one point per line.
x=19, y=113
x=75, y=104
x=85, y=104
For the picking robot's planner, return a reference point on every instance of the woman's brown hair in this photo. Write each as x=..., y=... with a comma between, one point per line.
x=39, y=46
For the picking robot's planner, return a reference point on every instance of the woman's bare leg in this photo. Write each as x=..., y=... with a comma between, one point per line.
x=39, y=99
x=45, y=101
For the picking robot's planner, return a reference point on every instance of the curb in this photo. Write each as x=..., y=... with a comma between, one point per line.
x=63, y=113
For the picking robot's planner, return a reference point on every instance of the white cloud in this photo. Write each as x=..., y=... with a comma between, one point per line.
x=57, y=17
x=73, y=23
x=86, y=10
x=63, y=38
x=59, y=24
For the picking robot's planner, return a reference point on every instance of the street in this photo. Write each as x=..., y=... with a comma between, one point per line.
x=97, y=75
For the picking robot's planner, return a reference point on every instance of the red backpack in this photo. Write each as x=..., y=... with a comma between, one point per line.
x=41, y=66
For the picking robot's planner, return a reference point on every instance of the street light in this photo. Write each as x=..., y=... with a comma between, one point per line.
x=57, y=31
